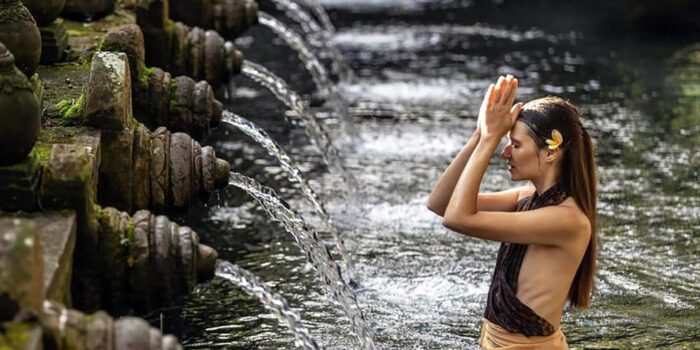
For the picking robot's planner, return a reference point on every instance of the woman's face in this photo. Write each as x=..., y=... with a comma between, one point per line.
x=521, y=154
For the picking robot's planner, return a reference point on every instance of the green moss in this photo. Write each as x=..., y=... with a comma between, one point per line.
x=145, y=74
x=72, y=110
x=43, y=152
x=15, y=335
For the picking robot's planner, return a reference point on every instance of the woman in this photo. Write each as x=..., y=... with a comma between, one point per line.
x=547, y=228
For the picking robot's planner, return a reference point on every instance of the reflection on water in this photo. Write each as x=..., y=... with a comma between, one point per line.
x=415, y=101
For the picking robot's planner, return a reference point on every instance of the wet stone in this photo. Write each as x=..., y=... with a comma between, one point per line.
x=202, y=105
x=139, y=261
x=208, y=169
x=181, y=170
x=163, y=257
x=114, y=225
x=155, y=339
x=141, y=167
x=171, y=343
x=131, y=333
x=186, y=257
x=197, y=169
x=206, y=262
x=177, y=277
x=160, y=169
x=180, y=49
x=181, y=115
x=213, y=58
x=159, y=93
x=75, y=331
x=196, y=58
x=100, y=334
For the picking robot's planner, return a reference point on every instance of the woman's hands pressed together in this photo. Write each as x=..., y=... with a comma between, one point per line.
x=497, y=114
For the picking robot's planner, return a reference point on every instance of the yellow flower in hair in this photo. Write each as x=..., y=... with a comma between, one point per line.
x=556, y=139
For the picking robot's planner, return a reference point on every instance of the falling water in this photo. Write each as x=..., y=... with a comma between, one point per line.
x=295, y=41
x=317, y=252
x=313, y=65
x=317, y=36
x=262, y=138
x=313, y=129
x=321, y=15
x=274, y=302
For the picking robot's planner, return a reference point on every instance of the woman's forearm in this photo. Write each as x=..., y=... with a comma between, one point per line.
x=440, y=196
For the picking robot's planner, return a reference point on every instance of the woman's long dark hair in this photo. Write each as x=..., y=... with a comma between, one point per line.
x=577, y=177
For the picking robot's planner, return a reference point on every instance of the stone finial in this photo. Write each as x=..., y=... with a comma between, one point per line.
x=20, y=34
x=153, y=262
x=228, y=17
x=169, y=171
x=108, y=91
x=76, y=330
x=44, y=11
x=20, y=114
x=21, y=268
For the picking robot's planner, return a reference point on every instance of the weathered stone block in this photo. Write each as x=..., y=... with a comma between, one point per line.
x=57, y=232
x=131, y=333
x=129, y=40
x=54, y=42
x=108, y=92
x=181, y=170
x=21, y=268
x=160, y=170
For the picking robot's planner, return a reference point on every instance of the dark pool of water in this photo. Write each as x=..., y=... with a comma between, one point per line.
x=422, y=69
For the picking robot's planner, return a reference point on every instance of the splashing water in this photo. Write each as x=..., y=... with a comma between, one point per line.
x=274, y=302
x=313, y=129
x=316, y=252
x=272, y=148
x=321, y=14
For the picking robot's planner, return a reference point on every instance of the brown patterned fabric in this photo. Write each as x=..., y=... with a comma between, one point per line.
x=502, y=306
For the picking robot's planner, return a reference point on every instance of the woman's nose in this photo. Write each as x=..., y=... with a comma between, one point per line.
x=506, y=152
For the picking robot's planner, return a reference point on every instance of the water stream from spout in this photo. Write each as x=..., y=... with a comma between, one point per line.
x=317, y=36
x=313, y=128
x=322, y=15
x=274, y=302
x=296, y=42
x=274, y=149
x=316, y=251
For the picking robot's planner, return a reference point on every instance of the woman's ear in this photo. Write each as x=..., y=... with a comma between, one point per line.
x=551, y=155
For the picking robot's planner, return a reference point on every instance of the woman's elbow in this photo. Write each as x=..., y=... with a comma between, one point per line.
x=456, y=224
x=436, y=209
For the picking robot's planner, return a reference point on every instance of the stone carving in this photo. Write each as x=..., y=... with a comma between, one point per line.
x=228, y=17
x=74, y=330
x=169, y=170
x=20, y=34
x=179, y=103
x=20, y=114
x=151, y=259
x=183, y=50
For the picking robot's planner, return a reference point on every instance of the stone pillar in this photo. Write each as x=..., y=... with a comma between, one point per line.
x=54, y=39
x=193, y=51
x=20, y=115
x=20, y=34
x=180, y=103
